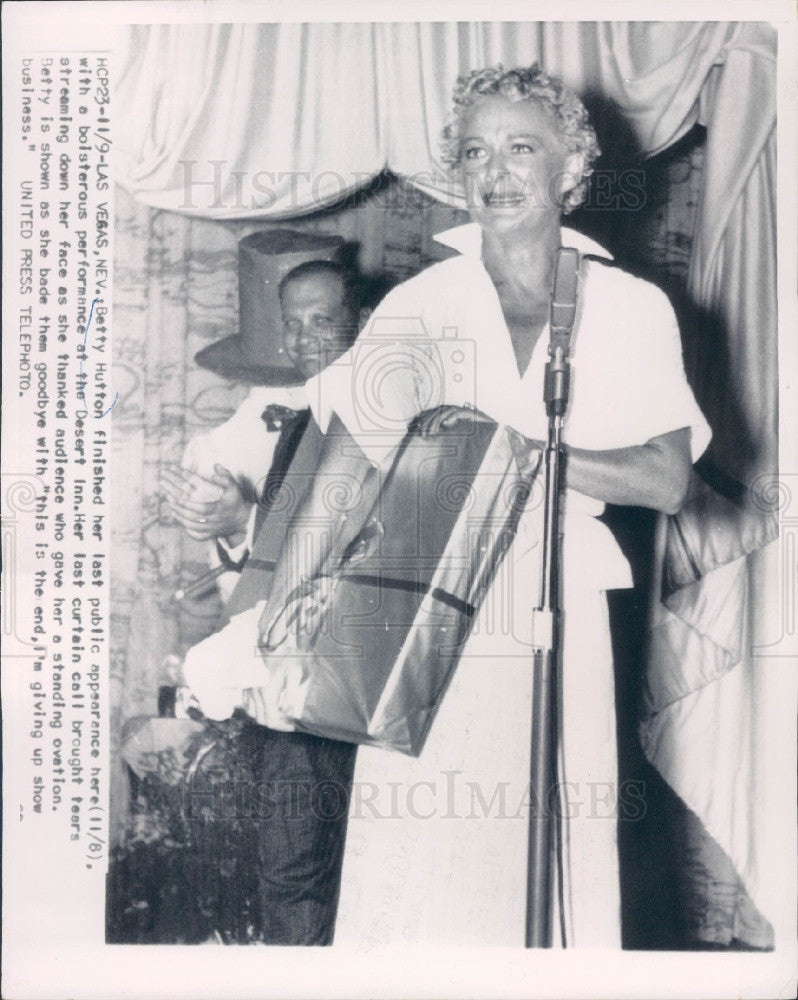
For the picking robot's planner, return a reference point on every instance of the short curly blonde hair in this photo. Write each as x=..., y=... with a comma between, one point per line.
x=526, y=84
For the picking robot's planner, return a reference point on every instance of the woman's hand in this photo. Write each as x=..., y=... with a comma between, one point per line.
x=655, y=474
x=433, y=421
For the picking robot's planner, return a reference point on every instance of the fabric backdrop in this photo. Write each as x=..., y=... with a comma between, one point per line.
x=276, y=121
x=248, y=120
x=706, y=718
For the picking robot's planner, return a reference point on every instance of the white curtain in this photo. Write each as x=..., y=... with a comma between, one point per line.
x=235, y=121
x=708, y=688
x=256, y=121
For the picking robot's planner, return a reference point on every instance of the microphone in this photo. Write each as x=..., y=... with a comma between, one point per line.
x=556, y=386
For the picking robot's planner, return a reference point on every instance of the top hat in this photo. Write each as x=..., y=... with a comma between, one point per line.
x=255, y=354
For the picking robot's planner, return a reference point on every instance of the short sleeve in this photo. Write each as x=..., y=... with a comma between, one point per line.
x=629, y=380
x=379, y=385
x=664, y=397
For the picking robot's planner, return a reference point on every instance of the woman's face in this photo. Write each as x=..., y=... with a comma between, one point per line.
x=513, y=162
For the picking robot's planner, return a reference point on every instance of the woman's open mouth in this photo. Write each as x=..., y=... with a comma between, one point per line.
x=504, y=200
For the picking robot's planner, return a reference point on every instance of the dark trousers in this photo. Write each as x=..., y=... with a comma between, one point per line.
x=302, y=791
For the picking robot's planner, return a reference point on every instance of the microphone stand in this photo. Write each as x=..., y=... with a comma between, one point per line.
x=546, y=619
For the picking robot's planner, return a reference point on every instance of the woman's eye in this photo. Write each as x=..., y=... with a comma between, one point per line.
x=323, y=321
x=474, y=153
x=522, y=147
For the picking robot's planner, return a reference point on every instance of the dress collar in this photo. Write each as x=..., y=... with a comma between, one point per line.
x=467, y=240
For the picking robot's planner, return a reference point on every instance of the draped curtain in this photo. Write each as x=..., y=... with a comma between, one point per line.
x=705, y=728
x=274, y=122
x=245, y=120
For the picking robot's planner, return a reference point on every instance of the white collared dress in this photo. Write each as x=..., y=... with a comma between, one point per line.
x=436, y=847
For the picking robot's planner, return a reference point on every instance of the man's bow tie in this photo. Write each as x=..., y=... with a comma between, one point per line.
x=276, y=416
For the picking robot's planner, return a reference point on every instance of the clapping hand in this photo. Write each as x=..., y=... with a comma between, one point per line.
x=206, y=508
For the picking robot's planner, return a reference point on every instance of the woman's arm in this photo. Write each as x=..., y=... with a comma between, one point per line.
x=655, y=474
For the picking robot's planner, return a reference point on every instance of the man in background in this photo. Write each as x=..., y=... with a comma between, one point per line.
x=216, y=494
x=301, y=783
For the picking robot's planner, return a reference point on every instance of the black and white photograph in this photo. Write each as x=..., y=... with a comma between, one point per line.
x=399, y=505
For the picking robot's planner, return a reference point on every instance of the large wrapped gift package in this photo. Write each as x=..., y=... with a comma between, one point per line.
x=255, y=582
x=364, y=646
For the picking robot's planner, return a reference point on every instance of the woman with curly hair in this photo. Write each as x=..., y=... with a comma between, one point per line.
x=437, y=845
